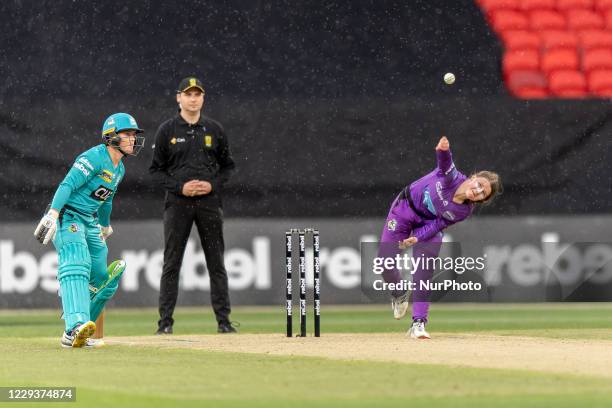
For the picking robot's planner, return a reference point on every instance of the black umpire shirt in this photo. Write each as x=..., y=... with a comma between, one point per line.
x=184, y=152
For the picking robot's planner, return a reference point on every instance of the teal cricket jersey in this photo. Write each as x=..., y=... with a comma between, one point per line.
x=90, y=184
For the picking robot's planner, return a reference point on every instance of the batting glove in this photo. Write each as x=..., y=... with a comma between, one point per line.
x=46, y=228
x=105, y=232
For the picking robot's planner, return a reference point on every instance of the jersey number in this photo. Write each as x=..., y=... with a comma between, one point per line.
x=102, y=193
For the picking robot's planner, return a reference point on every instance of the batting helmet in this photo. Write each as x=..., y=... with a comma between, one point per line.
x=119, y=122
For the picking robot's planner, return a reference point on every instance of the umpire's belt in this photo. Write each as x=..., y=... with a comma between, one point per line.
x=406, y=194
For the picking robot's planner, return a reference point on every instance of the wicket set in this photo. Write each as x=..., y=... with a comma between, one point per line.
x=316, y=265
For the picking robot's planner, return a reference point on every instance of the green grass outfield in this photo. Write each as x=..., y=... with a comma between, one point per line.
x=120, y=375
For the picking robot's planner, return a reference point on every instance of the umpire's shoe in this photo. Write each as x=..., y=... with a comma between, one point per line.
x=164, y=330
x=227, y=327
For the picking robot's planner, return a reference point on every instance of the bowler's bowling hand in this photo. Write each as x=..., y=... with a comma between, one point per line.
x=443, y=144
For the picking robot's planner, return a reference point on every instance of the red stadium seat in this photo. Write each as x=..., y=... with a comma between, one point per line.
x=600, y=82
x=584, y=20
x=608, y=19
x=561, y=59
x=490, y=5
x=530, y=93
x=525, y=79
x=563, y=5
x=567, y=84
x=604, y=93
x=571, y=93
x=526, y=84
x=547, y=20
x=529, y=5
x=597, y=59
x=508, y=20
x=521, y=60
x=603, y=5
x=556, y=39
x=592, y=39
x=554, y=48
x=520, y=40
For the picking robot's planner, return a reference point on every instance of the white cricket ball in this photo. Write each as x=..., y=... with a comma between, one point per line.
x=449, y=78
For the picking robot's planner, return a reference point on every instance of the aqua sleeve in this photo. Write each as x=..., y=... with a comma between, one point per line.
x=62, y=194
x=81, y=172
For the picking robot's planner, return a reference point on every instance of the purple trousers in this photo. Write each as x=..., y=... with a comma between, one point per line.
x=400, y=224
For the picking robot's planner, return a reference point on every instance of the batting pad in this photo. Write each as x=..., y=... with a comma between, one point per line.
x=73, y=275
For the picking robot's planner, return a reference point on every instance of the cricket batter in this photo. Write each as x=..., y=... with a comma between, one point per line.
x=418, y=216
x=78, y=222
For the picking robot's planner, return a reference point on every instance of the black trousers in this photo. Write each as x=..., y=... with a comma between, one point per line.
x=179, y=215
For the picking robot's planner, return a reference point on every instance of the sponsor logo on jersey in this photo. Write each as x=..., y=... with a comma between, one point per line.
x=86, y=162
x=208, y=140
x=392, y=225
x=439, y=190
x=80, y=166
x=73, y=228
x=106, y=176
x=448, y=215
x=101, y=193
x=173, y=140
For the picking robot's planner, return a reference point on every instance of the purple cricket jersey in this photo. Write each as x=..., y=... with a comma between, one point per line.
x=432, y=196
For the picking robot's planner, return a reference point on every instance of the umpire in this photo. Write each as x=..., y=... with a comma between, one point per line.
x=192, y=162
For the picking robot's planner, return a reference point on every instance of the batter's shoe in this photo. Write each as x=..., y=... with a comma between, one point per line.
x=417, y=330
x=400, y=305
x=66, y=340
x=78, y=337
x=90, y=343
